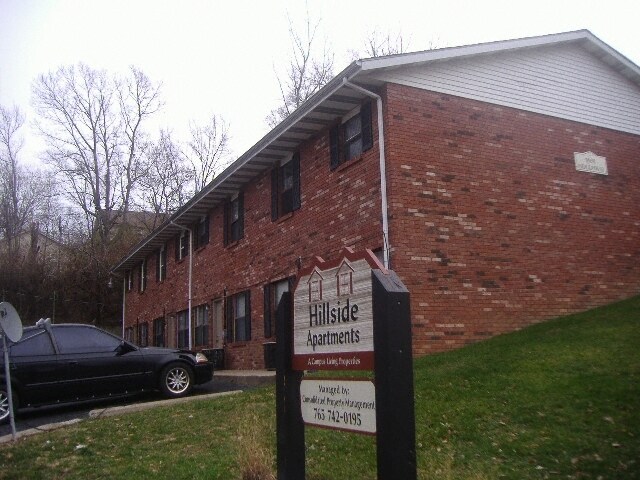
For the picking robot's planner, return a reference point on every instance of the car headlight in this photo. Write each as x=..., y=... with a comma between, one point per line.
x=201, y=358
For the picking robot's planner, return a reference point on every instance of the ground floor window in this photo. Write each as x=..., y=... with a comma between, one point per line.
x=201, y=314
x=143, y=334
x=158, y=332
x=128, y=334
x=239, y=317
x=272, y=295
x=183, y=329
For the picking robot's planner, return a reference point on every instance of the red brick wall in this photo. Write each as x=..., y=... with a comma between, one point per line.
x=492, y=228
x=339, y=209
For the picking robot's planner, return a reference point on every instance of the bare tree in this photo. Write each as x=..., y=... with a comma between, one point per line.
x=208, y=150
x=23, y=190
x=92, y=125
x=309, y=69
x=167, y=182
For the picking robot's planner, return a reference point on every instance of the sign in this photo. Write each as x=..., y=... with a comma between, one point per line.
x=348, y=405
x=332, y=314
x=591, y=163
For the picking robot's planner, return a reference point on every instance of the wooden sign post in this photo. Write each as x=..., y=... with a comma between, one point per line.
x=349, y=314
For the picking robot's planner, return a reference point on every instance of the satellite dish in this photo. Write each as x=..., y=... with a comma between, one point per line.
x=10, y=322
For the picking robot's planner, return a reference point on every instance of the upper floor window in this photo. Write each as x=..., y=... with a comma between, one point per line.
x=161, y=264
x=351, y=138
x=129, y=280
x=142, y=279
x=182, y=245
x=201, y=232
x=234, y=219
x=285, y=188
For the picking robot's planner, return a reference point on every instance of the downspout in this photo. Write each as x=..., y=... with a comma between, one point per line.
x=190, y=278
x=383, y=170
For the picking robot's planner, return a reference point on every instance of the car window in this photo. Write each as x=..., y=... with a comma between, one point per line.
x=84, y=339
x=39, y=343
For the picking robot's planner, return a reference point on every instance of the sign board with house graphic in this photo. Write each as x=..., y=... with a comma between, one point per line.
x=333, y=314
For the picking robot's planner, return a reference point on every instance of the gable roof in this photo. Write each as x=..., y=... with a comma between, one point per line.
x=335, y=100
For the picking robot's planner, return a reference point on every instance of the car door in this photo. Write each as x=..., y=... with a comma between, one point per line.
x=96, y=363
x=35, y=369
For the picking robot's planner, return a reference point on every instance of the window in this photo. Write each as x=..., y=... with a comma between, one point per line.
x=239, y=317
x=128, y=334
x=352, y=138
x=201, y=314
x=142, y=285
x=143, y=334
x=158, y=332
x=84, y=339
x=161, y=264
x=182, y=245
x=183, y=329
x=36, y=344
x=285, y=188
x=201, y=232
x=129, y=280
x=272, y=295
x=234, y=220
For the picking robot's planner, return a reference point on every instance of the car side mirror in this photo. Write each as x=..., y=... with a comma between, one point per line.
x=124, y=348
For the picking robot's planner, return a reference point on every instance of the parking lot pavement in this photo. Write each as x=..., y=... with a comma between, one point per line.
x=34, y=420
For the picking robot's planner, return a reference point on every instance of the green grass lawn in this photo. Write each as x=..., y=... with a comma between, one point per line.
x=556, y=400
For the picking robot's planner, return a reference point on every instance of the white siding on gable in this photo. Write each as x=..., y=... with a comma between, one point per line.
x=563, y=81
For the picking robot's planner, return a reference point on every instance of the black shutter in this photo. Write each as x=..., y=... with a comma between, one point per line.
x=240, y=216
x=225, y=223
x=247, y=312
x=178, y=247
x=274, y=194
x=296, y=181
x=228, y=319
x=334, y=146
x=367, y=128
x=267, y=311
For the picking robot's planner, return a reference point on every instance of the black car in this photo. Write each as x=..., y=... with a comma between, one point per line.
x=54, y=364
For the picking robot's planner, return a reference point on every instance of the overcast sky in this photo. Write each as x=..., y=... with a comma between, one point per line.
x=221, y=57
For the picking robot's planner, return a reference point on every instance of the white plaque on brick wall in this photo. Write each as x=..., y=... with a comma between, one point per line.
x=591, y=163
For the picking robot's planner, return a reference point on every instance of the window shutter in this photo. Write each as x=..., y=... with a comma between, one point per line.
x=367, y=128
x=247, y=311
x=225, y=223
x=274, y=194
x=334, y=146
x=177, y=244
x=267, y=311
x=296, y=181
x=241, y=215
x=228, y=318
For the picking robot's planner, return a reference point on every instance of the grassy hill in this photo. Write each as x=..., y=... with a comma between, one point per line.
x=556, y=400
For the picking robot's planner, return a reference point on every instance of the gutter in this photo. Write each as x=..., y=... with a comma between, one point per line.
x=383, y=170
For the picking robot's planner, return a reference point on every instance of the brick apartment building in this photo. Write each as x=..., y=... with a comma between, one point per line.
x=509, y=194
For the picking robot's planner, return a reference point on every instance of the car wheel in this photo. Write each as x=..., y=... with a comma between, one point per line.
x=176, y=380
x=4, y=404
